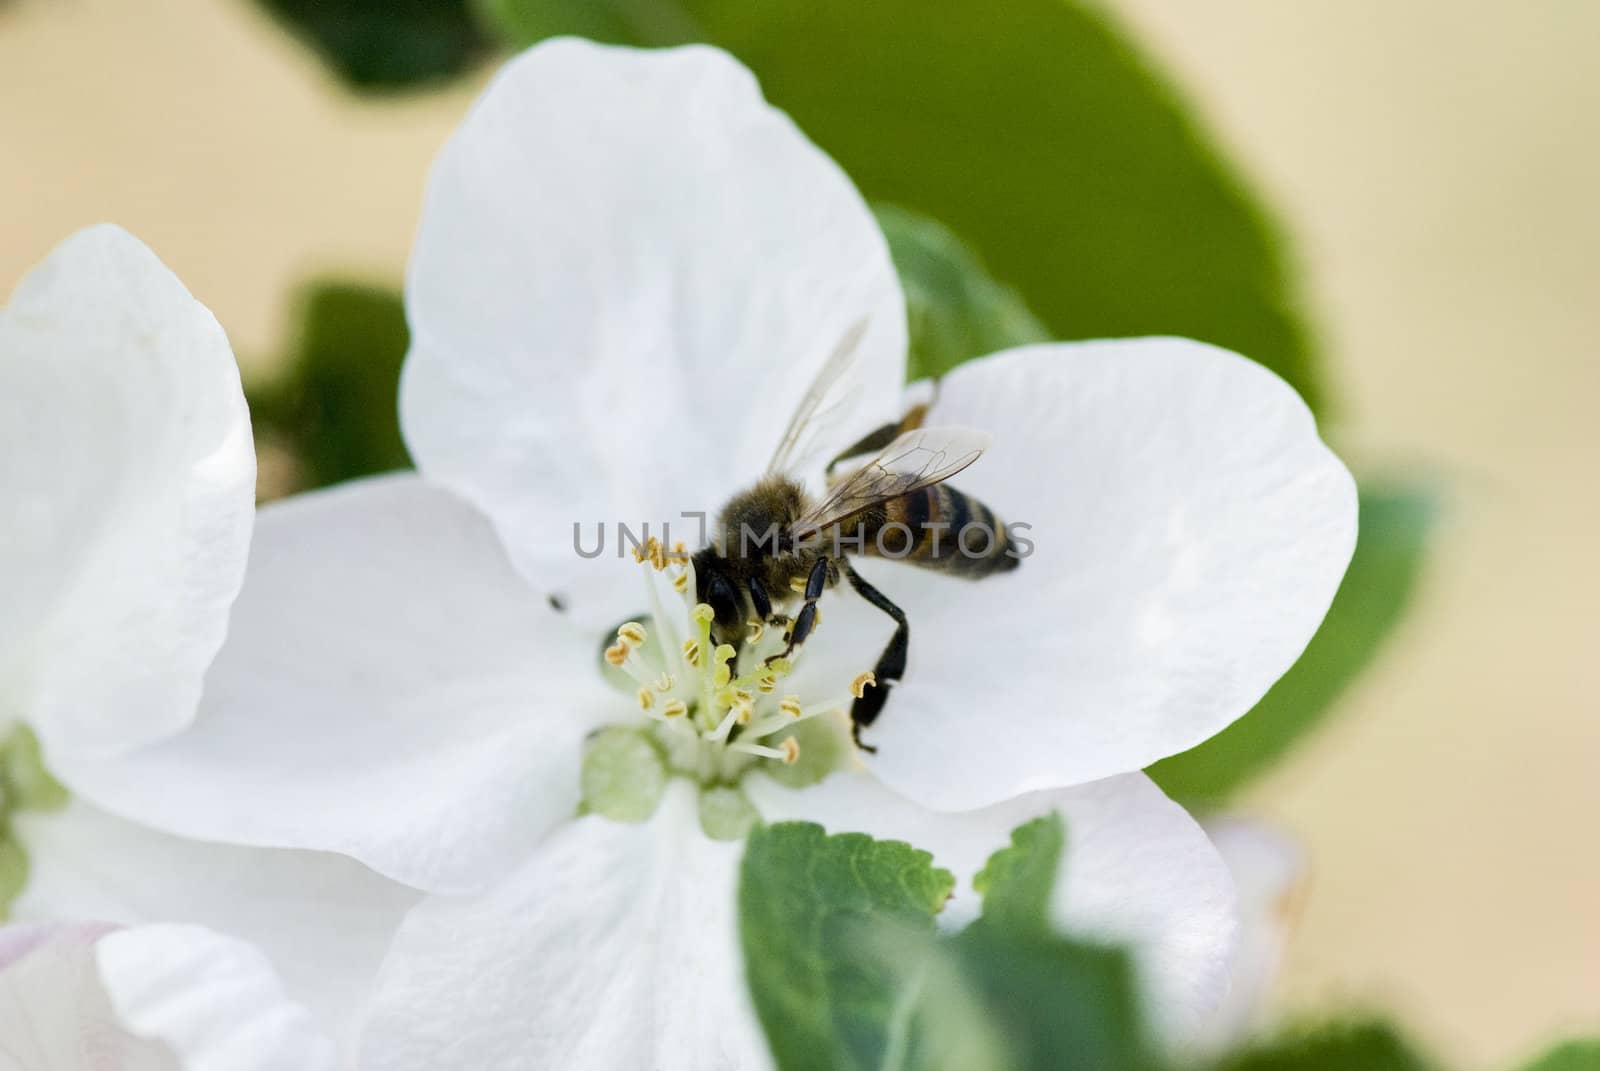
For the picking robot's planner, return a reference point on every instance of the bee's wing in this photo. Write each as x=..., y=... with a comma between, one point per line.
x=915, y=460
x=827, y=394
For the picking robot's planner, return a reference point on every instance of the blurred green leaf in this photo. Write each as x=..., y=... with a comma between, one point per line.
x=846, y=969
x=1395, y=524
x=1573, y=1056
x=1335, y=1047
x=954, y=309
x=25, y=783
x=334, y=404
x=808, y=905
x=14, y=869
x=1056, y=1003
x=1031, y=128
x=386, y=44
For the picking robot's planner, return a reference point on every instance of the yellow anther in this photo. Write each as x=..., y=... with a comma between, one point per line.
x=862, y=681
x=680, y=583
x=666, y=682
x=766, y=685
x=691, y=653
x=743, y=709
x=675, y=708
x=743, y=696
x=791, y=750
x=703, y=613
x=722, y=674
x=780, y=667
x=797, y=584
x=632, y=634
x=639, y=553
x=617, y=654
x=679, y=551
x=658, y=553
x=791, y=706
x=647, y=699
x=755, y=630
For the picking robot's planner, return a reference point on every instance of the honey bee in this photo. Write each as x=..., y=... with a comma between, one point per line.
x=773, y=542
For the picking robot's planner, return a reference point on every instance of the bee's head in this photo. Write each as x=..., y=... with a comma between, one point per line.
x=717, y=589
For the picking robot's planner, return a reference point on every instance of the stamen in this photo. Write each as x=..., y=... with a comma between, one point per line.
x=675, y=708
x=666, y=682
x=691, y=653
x=861, y=682
x=724, y=727
x=721, y=675
x=788, y=754
x=647, y=699
x=754, y=630
x=791, y=706
x=680, y=582
x=767, y=685
x=632, y=633
x=617, y=654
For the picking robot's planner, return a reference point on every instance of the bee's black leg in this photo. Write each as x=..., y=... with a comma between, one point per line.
x=760, y=599
x=806, y=619
x=891, y=664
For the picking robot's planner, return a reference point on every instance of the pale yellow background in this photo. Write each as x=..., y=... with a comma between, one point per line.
x=1439, y=163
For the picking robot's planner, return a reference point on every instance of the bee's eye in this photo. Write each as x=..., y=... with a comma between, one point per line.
x=723, y=599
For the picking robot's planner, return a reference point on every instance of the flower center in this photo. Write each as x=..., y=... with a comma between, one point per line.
x=715, y=711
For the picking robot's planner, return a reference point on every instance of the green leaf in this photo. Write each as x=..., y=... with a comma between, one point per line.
x=811, y=907
x=1017, y=881
x=1031, y=128
x=1395, y=524
x=955, y=310
x=1058, y=1003
x=1572, y=1056
x=386, y=44
x=846, y=970
x=334, y=406
x=1335, y=1047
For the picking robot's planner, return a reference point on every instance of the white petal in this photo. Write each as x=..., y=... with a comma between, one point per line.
x=1268, y=868
x=128, y=479
x=1190, y=530
x=152, y=998
x=1137, y=871
x=628, y=271
x=614, y=947
x=54, y=1013
x=323, y=920
x=390, y=690
x=213, y=1000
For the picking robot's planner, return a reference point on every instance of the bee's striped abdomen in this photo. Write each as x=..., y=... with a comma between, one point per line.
x=940, y=528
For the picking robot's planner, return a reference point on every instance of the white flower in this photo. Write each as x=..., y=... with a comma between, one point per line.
x=629, y=269
x=1269, y=872
x=128, y=479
